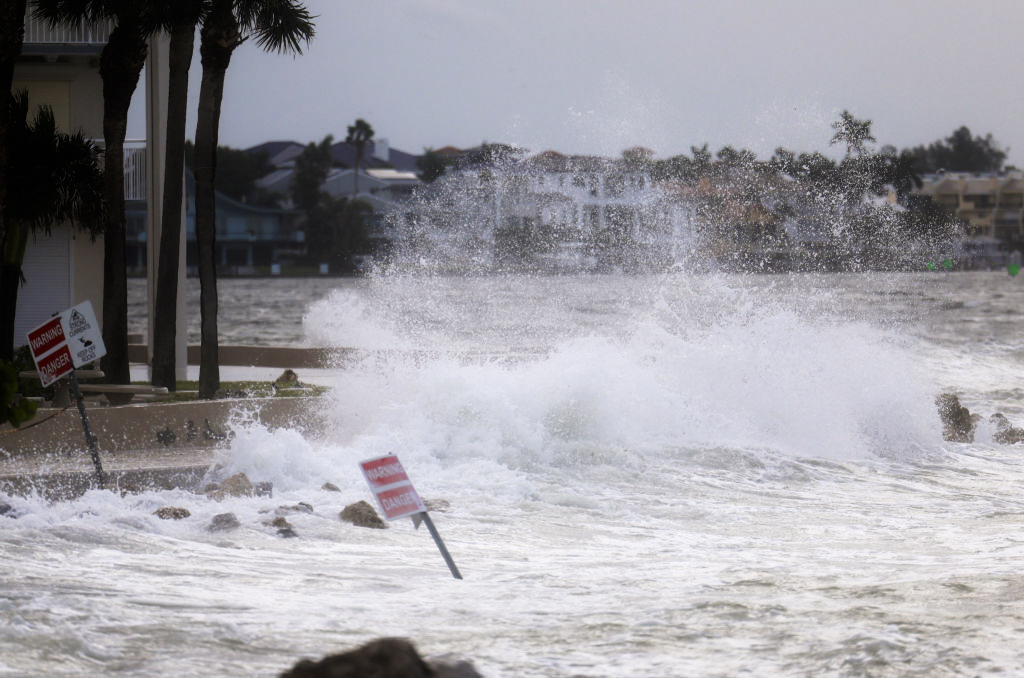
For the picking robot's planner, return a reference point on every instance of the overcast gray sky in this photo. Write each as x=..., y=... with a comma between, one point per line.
x=599, y=76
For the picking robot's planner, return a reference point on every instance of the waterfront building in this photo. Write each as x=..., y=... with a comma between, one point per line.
x=991, y=207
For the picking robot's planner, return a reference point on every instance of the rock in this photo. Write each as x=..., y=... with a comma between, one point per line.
x=1006, y=433
x=362, y=514
x=7, y=510
x=210, y=488
x=454, y=669
x=264, y=489
x=237, y=485
x=284, y=528
x=172, y=513
x=288, y=379
x=383, y=658
x=957, y=423
x=222, y=522
x=301, y=507
x=330, y=487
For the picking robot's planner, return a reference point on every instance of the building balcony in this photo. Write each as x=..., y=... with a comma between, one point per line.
x=81, y=38
x=134, y=170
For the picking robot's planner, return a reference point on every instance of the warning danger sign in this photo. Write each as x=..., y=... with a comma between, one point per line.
x=69, y=340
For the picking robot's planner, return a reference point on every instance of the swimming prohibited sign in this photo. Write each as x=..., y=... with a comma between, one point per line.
x=68, y=340
x=397, y=498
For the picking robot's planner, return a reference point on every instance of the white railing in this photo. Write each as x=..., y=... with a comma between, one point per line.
x=39, y=32
x=134, y=170
x=134, y=167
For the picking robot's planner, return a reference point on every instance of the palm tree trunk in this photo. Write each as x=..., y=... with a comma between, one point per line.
x=12, y=256
x=219, y=37
x=121, y=63
x=12, y=31
x=166, y=307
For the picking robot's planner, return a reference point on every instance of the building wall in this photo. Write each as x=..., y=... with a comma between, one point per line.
x=64, y=268
x=74, y=90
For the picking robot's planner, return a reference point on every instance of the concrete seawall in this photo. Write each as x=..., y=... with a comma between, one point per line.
x=143, y=445
x=258, y=356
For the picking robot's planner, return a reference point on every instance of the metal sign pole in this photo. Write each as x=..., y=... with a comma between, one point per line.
x=90, y=438
x=440, y=544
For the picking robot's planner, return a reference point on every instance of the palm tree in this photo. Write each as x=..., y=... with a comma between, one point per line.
x=181, y=19
x=278, y=25
x=12, y=32
x=121, y=62
x=54, y=178
x=359, y=135
x=852, y=132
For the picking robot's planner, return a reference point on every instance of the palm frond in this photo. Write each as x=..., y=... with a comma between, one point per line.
x=278, y=25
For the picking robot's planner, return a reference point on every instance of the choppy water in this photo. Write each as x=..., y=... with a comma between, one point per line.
x=647, y=476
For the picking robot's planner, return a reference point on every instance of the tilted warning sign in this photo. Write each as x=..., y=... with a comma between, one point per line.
x=69, y=340
x=392, y=487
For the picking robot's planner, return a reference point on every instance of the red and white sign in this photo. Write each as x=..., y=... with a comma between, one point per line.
x=69, y=340
x=391, y=486
x=46, y=337
x=54, y=365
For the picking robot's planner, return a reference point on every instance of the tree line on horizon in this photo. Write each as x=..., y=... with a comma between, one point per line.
x=836, y=191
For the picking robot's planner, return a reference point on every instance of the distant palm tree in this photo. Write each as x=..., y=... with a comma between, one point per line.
x=359, y=134
x=278, y=25
x=852, y=132
x=180, y=17
x=121, y=63
x=53, y=178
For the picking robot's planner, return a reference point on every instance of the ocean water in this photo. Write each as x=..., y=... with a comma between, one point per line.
x=666, y=475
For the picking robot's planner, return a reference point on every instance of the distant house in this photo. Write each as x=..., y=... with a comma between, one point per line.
x=248, y=236
x=387, y=179
x=991, y=205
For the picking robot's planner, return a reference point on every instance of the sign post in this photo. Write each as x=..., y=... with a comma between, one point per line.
x=397, y=498
x=69, y=340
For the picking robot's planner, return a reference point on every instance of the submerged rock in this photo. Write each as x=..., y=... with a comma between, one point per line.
x=222, y=522
x=382, y=658
x=957, y=423
x=330, y=487
x=172, y=513
x=237, y=485
x=301, y=507
x=1006, y=433
x=264, y=489
x=284, y=528
x=362, y=514
x=7, y=510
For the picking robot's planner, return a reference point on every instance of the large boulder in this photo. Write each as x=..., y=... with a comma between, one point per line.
x=382, y=658
x=361, y=514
